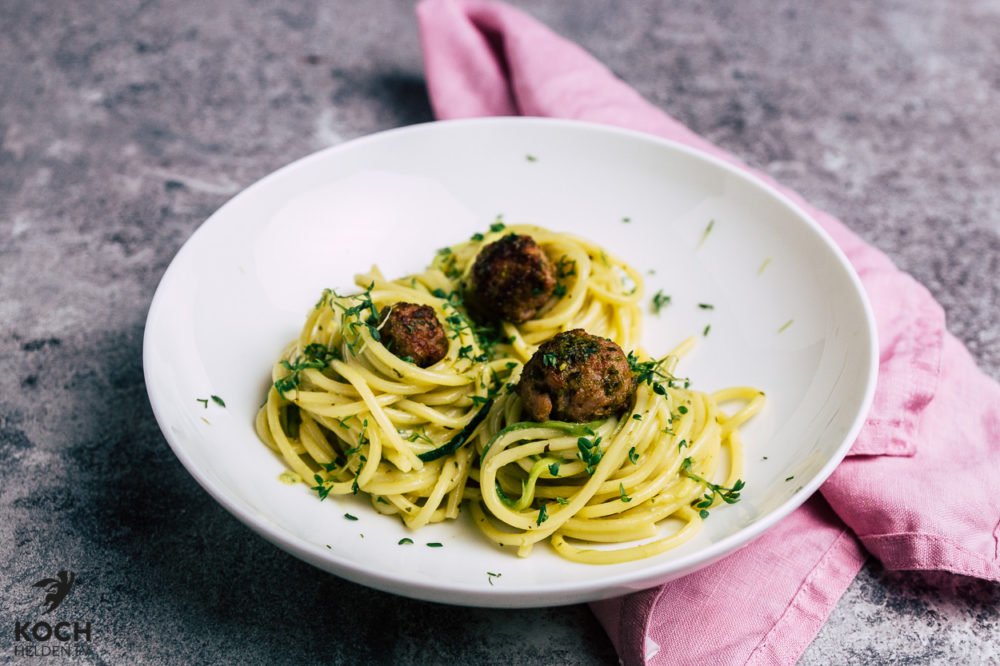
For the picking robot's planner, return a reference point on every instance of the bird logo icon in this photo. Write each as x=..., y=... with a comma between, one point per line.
x=56, y=589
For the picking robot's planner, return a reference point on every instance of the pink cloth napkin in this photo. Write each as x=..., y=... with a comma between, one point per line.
x=921, y=486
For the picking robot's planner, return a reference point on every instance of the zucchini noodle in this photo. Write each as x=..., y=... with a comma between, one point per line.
x=348, y=416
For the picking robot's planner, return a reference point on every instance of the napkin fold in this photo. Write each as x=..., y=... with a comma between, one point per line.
x=920, y=488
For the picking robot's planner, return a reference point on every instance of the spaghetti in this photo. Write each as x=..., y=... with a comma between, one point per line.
x=348, y=416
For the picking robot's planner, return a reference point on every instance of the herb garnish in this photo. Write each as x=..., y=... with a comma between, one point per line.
x=706, y=306
x=542, y=515
x=633, y=456
x=704, y=235
x=434, y=544
x=492, y=575
x=350, y=517
x=649, y=372
x=315, y=356
x=727, y=495
x=708, y=328
x=621, y=490
x=321, y=487
x=660, y=301
x=554, y=469
x=565, y=267
x=404, y=541
x=785, y=325
x=590, y=452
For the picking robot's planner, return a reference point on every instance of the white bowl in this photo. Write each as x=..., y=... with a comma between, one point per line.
x=240, y=288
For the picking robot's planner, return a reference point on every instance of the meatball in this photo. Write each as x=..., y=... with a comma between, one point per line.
x=413, y=331
x=511, y=279
x=576, y=377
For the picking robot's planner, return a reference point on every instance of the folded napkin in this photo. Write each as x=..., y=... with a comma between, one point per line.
x=920, y=488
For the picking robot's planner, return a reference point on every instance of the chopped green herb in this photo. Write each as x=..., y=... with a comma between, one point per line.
x=492, y=575
x=565, y=267
x=321, y=487
x=531, y=158
x=637, y=417
x=562, y=500
x=422, y=436
x=707, y=329
x=704, y=235
x=727, y=495
x=626, y=220
x=590, y=452
x=350, y=517
x=660, y=301
x=203, y=401
x=316, y=356
x=542, y=515
x=785, y=325
x=633, y=456
x=649, y=372
x=554, y=469
x=621, y=490
x=498, y=225
x=703, y=513
x=682, y=409
x=434, y=544
x=549, y=359
x=681, y=444
x=477, y=237
x=789, y=478
x=560, y=290
x=706, y=306
x=760, y=270
x=404, y=541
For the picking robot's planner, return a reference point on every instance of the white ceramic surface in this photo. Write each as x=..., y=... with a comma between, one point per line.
x=240, y=288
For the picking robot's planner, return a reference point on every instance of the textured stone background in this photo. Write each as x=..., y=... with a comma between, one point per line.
x=124, y=124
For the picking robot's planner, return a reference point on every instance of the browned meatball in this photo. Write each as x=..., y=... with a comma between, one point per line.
x=511, y=279
x=413, y=332
x=576, y=377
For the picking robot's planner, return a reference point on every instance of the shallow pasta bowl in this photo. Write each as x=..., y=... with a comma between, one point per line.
x=787, y=315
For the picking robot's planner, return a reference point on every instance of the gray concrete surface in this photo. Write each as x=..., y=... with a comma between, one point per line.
x=123, y=125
